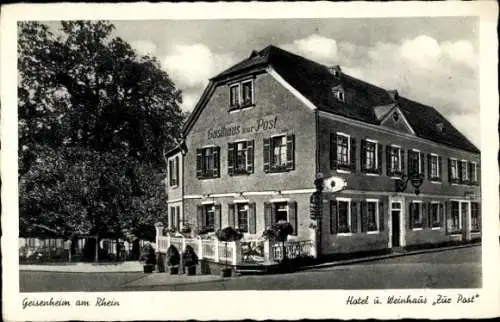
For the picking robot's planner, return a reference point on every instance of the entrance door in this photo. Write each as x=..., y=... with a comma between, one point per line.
x=396, y=228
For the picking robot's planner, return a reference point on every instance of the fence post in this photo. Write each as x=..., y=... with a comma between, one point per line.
x=236, y=252
x=268, y=251
x=183, y=247
x=200, y=247
x=159, y=233
x=216, y=250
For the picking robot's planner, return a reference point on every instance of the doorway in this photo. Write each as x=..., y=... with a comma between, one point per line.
x=396, y=224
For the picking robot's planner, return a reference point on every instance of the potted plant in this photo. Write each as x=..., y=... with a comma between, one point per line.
x=228, y=234
x=186, y=230
x=173, y=259
x=279, y=232
x=148, y=258
x=190, y=260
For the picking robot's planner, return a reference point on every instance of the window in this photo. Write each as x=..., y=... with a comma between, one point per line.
x=435, y=214
x=416, y=219
x=234, y=96
x=242, y=216
x=279, y=154
x=434, y=167
x=207, y=162
x=414, y=162
x=343, y=217
x=394, y=162
x=475, y=217
x=241, y=95
x=342, y=152
x=247, y=93
x=173, y=170
x=464, y=170
x=342, y=149
x=208, y=217
x=454, y=222
x=278, y=211
x=174, y=221
x=370, y=159
x=338, y=93
x=473, y=172
x=395, y=116
x=240, y=158
x=453, y=170
x=372, y=215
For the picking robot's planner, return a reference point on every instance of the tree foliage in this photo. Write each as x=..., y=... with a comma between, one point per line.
x=94, y=122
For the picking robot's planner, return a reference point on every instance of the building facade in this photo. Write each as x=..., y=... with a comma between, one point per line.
x=263, y=130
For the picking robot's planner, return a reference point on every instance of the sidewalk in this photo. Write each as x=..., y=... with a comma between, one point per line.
x=132, y=266
x=162, y=279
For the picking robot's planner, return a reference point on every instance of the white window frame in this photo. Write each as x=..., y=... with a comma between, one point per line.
x=339, y=94
x=348, y=149
x=454, y=160
x=466, y=172
x=435, y=202
x=438, y=169
x=348, y=200
x=253, y=92
x=376, y=155
x=420, y=212
x=460, y=223
x=475, y=171
x=174, y=171
x=238, y=103
x=377, y=216
x=399, y=159
x=419, y=159
x=237, y=214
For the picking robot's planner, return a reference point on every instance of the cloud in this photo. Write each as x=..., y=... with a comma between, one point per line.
x=440, y=74
x=144, y=47
x=193, y=65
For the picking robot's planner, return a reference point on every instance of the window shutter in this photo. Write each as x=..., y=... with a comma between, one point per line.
x=470, y=165
x=178, y=211
x=174, y=220
x=353, y=154
x=402, y=161
x=290, y=152
x=422, y=163
x=177, y=170
x=250, y=157
x=364, y=218
x=441, y=214
x=354, y=216
x=450, y=179
x=440, y=162
x=459, y=165
x=333, y=151
x=230, y=158
x=380, y=151
x=170, y=172
x=381, y=215
x=388, y=161
x=409, y=217
x=429, y=166
x=478, y=173
x=268, y=214
x=424, y=215
x=252, y=222
x=267, y=154
x=199, y=216
x=363, y=156
x=292, y=216
x=231, y=215
x=217, y=219
x=333, y=216
x=199, y=163
x=410, y=166
x=216, y=152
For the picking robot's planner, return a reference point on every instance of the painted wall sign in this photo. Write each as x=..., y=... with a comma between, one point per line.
x=263, y=124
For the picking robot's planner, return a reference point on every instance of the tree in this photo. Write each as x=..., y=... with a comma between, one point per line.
x=94, y=122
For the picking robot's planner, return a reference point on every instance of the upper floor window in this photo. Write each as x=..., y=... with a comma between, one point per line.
x=370, y=156
x=241, y=95
x=342, y=151
x=279, y=153
x=453, y=170
x=464, y=172
x=416, y=218
x=415, y=162
x=208, y=162
x=240, y=157
x=173, y=170
x=473, y=172
x=394, y=161
x=434, y=167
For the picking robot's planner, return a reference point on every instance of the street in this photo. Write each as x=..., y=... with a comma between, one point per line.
x=458, y=268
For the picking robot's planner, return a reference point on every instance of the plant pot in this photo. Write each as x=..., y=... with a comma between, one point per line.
x=191, y=270
x=174, y=270
x=148, y=268
x=226, y=272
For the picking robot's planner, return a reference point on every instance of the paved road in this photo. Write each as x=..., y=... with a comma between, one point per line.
x=459, y=268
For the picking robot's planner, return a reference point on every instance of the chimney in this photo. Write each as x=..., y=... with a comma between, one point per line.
x=394, y=95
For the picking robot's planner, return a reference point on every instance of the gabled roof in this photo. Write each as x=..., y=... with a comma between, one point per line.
x=315, y=82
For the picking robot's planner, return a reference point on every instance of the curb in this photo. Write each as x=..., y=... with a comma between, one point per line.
x=385, y=256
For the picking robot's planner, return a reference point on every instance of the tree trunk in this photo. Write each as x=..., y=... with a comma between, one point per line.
x=96, y=248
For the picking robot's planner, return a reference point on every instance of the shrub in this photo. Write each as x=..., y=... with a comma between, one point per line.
x=148, y=255
x=189, y=257
x=173, y=256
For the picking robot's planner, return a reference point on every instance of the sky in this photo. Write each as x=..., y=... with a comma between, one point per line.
x=433, y=60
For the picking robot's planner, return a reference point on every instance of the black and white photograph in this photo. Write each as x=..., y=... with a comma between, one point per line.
x=166, y=156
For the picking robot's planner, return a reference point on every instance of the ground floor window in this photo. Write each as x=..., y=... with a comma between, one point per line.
x=454, y=222
x=281, y=211
x=174, y=218
x=435, y=210
x=242, y=217
x=475, y=216
x=340, y=221
x=208, y=217
x=372, y=215
x=416, y=218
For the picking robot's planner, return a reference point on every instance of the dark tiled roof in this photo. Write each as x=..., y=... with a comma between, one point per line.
x=315, y=82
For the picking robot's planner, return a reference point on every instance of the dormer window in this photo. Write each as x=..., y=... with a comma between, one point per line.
x=241, y=94
x=440, y=127
x=335, y=71
x=338, y=93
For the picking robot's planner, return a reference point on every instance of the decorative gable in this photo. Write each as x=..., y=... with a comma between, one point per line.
x=396, y=120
